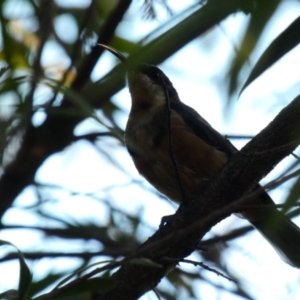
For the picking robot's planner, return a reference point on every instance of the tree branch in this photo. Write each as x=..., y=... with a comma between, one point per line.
x=216, y=201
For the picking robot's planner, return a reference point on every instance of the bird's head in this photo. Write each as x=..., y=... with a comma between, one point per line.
x=147, y=83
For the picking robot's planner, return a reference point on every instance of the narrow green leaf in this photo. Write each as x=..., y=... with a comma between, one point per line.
x=44, y=283
x=293, y=197
x=285, y=42
x=260, y=17
x=84, y=289
x=79, y=271
x=25, y=275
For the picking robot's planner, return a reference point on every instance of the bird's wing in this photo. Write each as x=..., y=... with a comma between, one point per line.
x=201, y=128
x=206, y=132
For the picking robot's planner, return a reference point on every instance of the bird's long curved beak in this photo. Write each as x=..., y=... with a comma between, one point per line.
x=115, y=52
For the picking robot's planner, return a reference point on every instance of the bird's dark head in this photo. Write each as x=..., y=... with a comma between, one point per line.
x=149, y=86
x=147, y=83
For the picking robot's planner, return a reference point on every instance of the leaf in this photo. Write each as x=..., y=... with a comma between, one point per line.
x=285, y=42
x=4, y=70
x=293, y=197
x=124, y=45
x=25, y=275
x=84, y=289
x=78, y=272
x=44, y=283
x=260, y=17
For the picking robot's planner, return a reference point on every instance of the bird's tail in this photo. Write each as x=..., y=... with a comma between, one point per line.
x=282, y=234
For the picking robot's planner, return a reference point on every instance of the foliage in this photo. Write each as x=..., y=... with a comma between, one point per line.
x=43, y=104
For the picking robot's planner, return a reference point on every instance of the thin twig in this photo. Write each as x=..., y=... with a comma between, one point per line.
x=235, y=233
x=201, y=264
x=275, y=183
x=155, y=291
x=242, y=137
x=76, y=48
x=85, y=255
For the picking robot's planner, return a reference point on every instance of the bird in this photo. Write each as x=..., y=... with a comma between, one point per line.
x=159, y=121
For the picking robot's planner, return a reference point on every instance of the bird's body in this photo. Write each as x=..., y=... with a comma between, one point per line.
x=148, y=141
x=198, y=150
x=175, y=149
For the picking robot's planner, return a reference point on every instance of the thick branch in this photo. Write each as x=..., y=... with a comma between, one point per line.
x=215, y=202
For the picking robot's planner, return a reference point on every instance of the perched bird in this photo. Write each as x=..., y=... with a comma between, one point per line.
x=158, y=118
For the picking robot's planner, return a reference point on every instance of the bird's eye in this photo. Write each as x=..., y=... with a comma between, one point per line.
x=156, y=75
x=151, y=71
x=153, y=74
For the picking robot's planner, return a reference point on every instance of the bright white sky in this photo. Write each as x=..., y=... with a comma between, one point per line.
x=197, y=72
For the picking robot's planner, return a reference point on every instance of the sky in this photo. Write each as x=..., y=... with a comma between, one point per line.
x=196, y=71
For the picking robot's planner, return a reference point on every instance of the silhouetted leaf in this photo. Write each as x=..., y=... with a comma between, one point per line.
x=25, y=275
x=285, y=42
x=259, y=19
